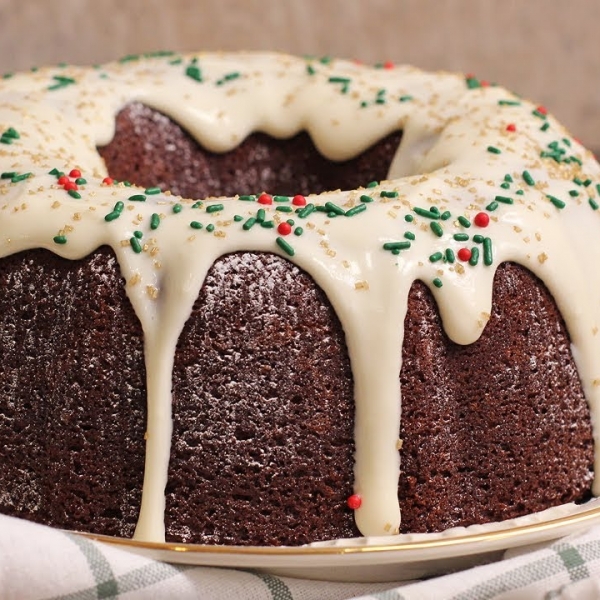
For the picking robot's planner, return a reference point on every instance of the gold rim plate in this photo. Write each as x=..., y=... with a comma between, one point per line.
x=378, y=559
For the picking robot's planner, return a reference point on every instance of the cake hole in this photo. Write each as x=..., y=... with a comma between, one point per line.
x=150, y=149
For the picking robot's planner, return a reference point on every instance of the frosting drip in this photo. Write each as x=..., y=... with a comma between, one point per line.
x=466, y=150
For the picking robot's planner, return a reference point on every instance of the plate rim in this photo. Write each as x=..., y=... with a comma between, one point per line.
x=459, y=540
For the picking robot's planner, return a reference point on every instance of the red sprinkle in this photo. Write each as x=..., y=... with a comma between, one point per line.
x=354, y=501
x=108, y=181
x=482, y=219
x=284, y=228
x=484, y=83
x=265, y=199
x=75, y=173
x=464, y=254
x=511, y=127
x=299, y=200
x=388, y=64
x=70, y=185
x=62, y=180
x=542, y=110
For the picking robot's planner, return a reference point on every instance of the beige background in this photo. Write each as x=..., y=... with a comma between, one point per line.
x=547, y=50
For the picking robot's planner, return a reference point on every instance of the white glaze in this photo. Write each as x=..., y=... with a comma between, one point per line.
x=443, y=160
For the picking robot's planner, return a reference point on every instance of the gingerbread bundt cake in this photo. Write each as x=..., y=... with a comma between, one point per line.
x=258, y=299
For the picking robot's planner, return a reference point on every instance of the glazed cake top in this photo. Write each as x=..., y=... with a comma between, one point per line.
x=481, y=177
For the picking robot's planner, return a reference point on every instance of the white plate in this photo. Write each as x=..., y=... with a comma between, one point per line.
x=395, y=558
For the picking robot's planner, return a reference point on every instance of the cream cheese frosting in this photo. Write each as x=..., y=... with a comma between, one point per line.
x=481, y=177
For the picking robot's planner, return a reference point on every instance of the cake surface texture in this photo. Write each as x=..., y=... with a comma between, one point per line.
x=251, y=298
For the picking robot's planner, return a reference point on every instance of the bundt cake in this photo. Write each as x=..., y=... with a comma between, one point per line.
x=258, y=299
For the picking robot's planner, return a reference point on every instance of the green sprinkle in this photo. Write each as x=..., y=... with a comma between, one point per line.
x=286, y=209
x=281, y=198
x=539, y=114
x=365, y=198
x=503, y=199
x=111, y=216
x=334, y=208
x=593, y=203
x=508, y=178
x=8, y=175
x=310, y=69
x=478, y=238
x=509, y=103
x=430, y=214
x=210, y=228
x=494, y=150
x=228, y=77
x=505, y=185
x=409, y=235
x=298, y=231
x=474, y=256
x=409, y=218
x=545, y=126
x=438, y=282
x=267, y=224
x=74, y=194
x=135, y=244
x=138, y=234
x=587, y=182
x=247, y=198
x=488, y=257
x=197, y=204
x=385, y=194
x=520, y=192
x=211, y=208
x=238, y=218
x=435, y=257
x=137, y=198
x=372, y=184
x=556, y=201
x=528, y=178
x=356, y=209
x=461, y=237
x=249, y=223
x=396, y=246
x=12, y=133
x=260, y=215
x=492, y=206
x=345, y=81
x=177, y=208
x=193, y=71
x=154, y=221
x=445, y=215
x=436, y=228
x=285, y=246
x=60, y=82
x=290, y=222
x=305, y=211
x=405, y=98
x=152, y=190
x=573, y=193
x=450, y=255
x=196, y=225
x=464, y=221
x=60, y=239
x=80, y=181
x=16, y=178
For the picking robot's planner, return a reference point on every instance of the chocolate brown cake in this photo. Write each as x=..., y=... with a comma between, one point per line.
x=275, y=439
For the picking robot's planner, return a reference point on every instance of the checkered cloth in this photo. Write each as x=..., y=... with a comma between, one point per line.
x=40, y=563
